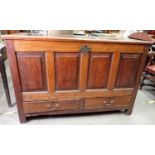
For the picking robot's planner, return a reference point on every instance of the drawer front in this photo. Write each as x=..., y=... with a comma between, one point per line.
x=121, y=100
x=102, y=102
x=34, y=107
x=96, y=103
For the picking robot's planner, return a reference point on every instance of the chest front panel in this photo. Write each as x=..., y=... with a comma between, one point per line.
x=67, y=68
x=98, y=70
x=60, y=70
x=32, y=71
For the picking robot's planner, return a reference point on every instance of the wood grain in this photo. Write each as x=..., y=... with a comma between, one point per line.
x=31, y=107
x=113, y=70
x=56, y=77
x=127, y=72
x=83, y=71
x=50, y=71
x=98, y=72
x=67, y=71
x=103, y=102
x=35, y=46
x=16, y=80
x=32, y=71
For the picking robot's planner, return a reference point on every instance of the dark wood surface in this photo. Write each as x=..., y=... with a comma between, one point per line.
x=149, y=71
x=61, y=76
x=3, y=57
x=98, y=70
x=127, y=71
x=16, y=79
x=101, y=103
x=32, y=71
x=70, y=38
x=60, y=105
x=67, y=67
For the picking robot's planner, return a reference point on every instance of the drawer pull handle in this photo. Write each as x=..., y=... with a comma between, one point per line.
x=112, y=101
x=49, y=106
x=56, y=105
x=105, y=102
x=85, y=49
x=108, y=103
x=53, y=107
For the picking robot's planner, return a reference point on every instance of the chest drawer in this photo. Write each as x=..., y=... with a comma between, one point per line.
x=96, y=103
x=35, y=107
x=102, y=102
x=121, y=100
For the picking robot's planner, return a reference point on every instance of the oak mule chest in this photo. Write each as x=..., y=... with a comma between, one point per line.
x=65, y=74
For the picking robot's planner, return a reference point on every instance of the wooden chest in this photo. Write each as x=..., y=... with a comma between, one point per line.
x=66, y=75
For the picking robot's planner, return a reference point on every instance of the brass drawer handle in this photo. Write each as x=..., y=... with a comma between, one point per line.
x=106, y=103
x=112, y=101
x=53, y=107
x=56, y=105
x=85, y=49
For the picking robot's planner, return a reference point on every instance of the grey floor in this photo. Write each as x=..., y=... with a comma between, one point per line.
x=143, y=113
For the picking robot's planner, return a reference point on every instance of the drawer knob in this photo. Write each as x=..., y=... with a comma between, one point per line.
x=56, y=105
x=49, y=106
x=112, y=101
x=53, y=106
x=107, y=103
